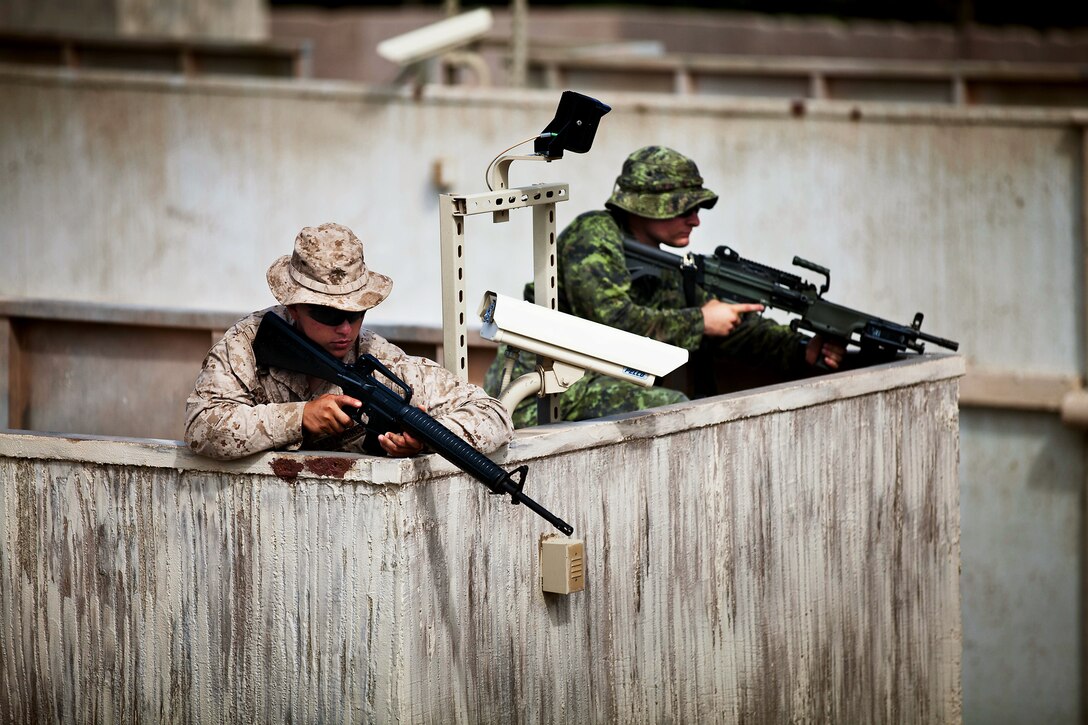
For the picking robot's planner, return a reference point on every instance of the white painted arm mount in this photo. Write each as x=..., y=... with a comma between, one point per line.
x=574, y=345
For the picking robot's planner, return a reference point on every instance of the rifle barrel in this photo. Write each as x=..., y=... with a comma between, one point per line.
x=454, y=449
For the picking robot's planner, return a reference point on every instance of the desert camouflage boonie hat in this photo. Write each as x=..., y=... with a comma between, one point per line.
x=327, y=268
x=659, y=183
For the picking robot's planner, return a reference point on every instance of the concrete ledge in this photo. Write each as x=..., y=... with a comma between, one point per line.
x=527, y=445
x=795, y=395
x=688, y=105
x=172, y=317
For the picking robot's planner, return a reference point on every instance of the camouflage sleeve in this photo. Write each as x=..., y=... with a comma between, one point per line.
x=596, y=285
x=763, y=341
x=224, y=418
x=464, y=408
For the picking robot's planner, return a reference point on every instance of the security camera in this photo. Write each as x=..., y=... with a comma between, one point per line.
x=436, y=38
x=571, y=129
x=575, y=343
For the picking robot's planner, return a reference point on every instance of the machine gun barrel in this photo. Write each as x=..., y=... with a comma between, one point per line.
x=726, y=275
x=875, y=336
x=278, y=344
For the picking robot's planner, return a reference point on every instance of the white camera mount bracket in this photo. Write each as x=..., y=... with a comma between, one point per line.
x=572, y=129
x=453, y=209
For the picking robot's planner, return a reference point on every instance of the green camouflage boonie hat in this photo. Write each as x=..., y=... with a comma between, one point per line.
x=659, y=183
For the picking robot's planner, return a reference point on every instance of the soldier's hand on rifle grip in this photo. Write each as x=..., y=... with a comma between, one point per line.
x=721, y=318
x=324, y=415
x=401, y=445
x=830, y=352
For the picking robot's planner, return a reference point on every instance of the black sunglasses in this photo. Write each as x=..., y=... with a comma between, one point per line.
x=331, y=316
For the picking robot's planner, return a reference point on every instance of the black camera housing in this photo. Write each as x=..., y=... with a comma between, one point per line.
x=574, y=126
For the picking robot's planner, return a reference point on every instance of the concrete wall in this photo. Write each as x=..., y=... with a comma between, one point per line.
x=192, y=19
x=1022, y=513
x=788, y=555
x=138, y=191
x=179, y=194
x=344, y=39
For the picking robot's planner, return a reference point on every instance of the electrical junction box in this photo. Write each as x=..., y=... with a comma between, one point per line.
x=562, y=565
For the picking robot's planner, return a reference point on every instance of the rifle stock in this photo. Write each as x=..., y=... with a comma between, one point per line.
x=280, y=345
x=726, y=275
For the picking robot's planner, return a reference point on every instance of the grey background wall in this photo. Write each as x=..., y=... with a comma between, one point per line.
x=130, y=190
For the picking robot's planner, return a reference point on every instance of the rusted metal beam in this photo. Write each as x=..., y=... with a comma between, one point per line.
x=804, y=66
x=189, y=56
x=956, y=83
x=13, y=382
x=1075, y=412
x=6, y=345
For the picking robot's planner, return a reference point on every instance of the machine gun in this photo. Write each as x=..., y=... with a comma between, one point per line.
x=279, y=345
x=728, y=276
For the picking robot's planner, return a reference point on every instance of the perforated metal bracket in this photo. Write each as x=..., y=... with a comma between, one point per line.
x=453, y=209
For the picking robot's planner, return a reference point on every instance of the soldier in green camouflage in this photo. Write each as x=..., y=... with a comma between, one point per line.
x=656, y=200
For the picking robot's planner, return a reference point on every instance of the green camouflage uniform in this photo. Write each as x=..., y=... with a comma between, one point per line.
x=657, y=183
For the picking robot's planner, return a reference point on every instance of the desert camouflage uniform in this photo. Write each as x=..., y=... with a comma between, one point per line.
x=238, y=408
x=594, y=284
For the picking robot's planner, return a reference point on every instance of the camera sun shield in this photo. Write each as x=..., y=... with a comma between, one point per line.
x=581, y=343
x=574, y=126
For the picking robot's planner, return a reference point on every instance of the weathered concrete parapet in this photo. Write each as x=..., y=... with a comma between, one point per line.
x=788, y=554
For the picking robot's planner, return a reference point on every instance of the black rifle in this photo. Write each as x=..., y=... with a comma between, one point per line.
x=728, y=276
x=280, y=345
